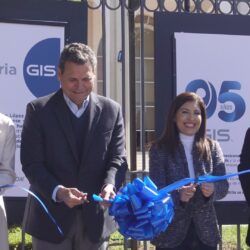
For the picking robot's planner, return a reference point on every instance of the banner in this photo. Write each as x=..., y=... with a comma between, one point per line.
x=216, y=67
x=28, y=69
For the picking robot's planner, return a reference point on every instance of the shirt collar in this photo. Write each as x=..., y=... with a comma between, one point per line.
x=74, y=108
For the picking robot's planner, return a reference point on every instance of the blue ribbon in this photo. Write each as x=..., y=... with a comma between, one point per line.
x=143, y=212
x=139, y=210
x=40, y=202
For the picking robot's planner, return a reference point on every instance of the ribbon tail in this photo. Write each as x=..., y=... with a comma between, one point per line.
x=212, y=178
x=40, y=202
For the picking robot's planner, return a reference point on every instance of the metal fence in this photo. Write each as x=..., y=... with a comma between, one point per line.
x=136, y=22
x=136, y=18
x=137, y=15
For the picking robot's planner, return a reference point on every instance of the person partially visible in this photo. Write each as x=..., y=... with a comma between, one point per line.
x=245, y=178
x=7, y=173
x=73, y=146
x=182, y=151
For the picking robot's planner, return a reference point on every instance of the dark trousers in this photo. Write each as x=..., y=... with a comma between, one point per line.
x=191, y=242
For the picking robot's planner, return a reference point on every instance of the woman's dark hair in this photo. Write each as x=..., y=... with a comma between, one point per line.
x=170, y=136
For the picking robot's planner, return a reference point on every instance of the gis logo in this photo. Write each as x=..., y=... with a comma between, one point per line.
x=231, y=105
x=39, y=68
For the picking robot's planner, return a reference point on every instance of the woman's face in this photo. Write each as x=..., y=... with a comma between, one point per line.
x=188, y=118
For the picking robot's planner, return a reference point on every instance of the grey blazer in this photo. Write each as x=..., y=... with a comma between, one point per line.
x=7, y=174
x=164, y=171
x=49, y=157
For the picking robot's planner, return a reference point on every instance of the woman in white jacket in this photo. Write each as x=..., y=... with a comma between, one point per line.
x=7, y=174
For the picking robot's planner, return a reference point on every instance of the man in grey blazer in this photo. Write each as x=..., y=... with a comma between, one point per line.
x=73, y=146
x=7, y=170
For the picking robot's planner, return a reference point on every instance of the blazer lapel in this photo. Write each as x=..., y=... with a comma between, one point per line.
x=63, y=117
x=94, y=116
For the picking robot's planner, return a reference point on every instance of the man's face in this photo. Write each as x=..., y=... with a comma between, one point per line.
x=77, y=81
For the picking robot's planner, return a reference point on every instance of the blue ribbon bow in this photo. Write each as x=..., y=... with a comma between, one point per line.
x=143, y=212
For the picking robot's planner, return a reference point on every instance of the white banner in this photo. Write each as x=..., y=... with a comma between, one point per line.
x=216, y=67
x=28, y=64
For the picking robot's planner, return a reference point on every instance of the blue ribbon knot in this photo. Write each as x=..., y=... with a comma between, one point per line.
x=143, y=212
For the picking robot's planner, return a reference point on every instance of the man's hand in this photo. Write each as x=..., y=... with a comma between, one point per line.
x=107, y=193
x=71, y=196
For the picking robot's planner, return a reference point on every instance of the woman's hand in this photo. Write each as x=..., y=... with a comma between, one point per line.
x=187, y=192
x=207, y=189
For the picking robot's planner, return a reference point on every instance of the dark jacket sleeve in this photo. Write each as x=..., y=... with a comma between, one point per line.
x=221, y=187
x=156, y=170
x=33, y=155
x=157, y=163
x=244, y=165
x=117, y=163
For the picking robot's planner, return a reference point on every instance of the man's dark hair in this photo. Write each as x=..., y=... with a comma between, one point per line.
x=78, y=53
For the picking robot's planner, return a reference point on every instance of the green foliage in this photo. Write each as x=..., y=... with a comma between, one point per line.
x=229, y=239
x=116, y=241
x=15, y=239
